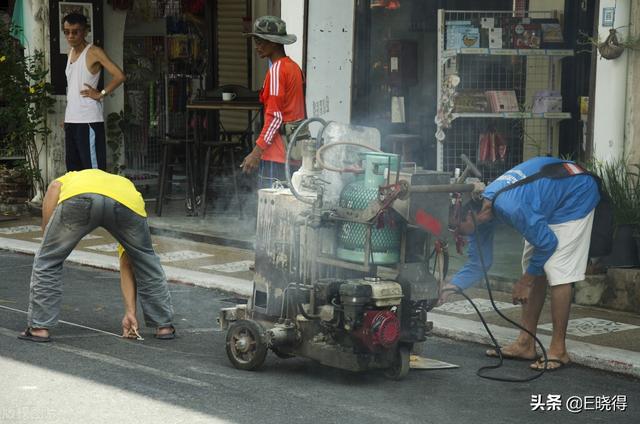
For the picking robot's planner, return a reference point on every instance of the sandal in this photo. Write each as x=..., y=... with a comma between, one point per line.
x=27, y=335
x=539, y=365
x=167, y=336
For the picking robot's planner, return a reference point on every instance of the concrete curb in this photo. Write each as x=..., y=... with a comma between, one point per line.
x=177, y=275
x=586, y=354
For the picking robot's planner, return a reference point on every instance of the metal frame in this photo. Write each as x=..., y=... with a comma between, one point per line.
x=532, y=70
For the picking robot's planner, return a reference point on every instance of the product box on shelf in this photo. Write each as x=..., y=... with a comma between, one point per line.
x=552, y=35
x=462, y=35
x=471, y=101
x=526, y=36
x=495, y=38
x=547, y=101
x=502, y=101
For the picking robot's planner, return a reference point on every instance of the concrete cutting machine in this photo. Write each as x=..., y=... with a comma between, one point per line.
x=350, y=254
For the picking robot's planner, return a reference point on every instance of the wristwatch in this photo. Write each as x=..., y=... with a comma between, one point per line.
x=103, y=93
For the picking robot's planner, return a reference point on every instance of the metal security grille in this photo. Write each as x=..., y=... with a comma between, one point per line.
x=233, y=62
x=503, y=66
x=145, y=109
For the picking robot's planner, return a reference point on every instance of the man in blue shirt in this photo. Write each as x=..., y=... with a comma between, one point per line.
x=554, y=215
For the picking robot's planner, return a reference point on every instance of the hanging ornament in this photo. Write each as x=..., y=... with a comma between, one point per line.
x=611, y=48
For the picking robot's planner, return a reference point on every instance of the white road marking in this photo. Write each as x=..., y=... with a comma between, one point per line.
x=229, y=267
x=66, y=322
x=111, y=360
x=20, y=229
x=185, y=276
x=585, y=327
x=463, y=307
x=182, y=255
x=87, y=237
x=109, y=247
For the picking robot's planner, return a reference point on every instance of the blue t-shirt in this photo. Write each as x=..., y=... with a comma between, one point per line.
x=530, y=209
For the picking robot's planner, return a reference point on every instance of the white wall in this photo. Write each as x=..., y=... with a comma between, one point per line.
x=292, y=12
x=330, y=59
x=632, y=134
x=611, y=90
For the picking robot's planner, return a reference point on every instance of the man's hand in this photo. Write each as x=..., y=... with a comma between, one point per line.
x=91, y=92
x=445, y=291
x=522, y=289
x=129, y=326
x=252, y=161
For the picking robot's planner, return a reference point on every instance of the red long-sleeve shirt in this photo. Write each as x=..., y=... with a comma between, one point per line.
x=282, y=95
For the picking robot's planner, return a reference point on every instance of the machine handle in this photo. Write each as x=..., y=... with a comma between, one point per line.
x=442, y=188
x=403, y=165
x=470, y=166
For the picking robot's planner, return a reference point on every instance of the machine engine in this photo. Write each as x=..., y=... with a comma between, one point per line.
x=380, y=329
x=367, y=310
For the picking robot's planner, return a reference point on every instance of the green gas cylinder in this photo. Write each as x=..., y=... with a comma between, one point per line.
x=385, y=241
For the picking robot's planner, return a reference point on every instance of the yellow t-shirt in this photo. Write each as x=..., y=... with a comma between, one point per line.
x=99, y=182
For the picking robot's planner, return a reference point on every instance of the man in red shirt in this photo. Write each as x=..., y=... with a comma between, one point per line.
x=282, y=95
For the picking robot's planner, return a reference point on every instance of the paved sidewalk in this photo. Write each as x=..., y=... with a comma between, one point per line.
x=598, y=338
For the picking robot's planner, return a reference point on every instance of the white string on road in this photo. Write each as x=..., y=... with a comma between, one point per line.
x=67, y=322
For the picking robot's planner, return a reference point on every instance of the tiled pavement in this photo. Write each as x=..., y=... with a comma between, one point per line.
x=599, y=338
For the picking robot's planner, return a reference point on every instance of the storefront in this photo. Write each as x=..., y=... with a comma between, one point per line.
x=406, y=52
x=379, y=63
x=172, y=52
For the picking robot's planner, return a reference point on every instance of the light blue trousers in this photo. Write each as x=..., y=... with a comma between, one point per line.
x=73, y=219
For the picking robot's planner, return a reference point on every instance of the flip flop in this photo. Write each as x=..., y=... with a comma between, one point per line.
x=492, y=353
x=168, y=336
x=27, y=335
x=539, y=364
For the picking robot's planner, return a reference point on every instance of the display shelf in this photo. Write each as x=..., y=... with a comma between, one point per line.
x=497, y=141
x=513, y=115
x=509, y=52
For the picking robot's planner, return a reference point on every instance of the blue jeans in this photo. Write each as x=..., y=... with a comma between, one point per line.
x=73, y=219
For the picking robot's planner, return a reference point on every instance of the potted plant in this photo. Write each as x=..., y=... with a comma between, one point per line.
x=621, y=182
x=25, y=101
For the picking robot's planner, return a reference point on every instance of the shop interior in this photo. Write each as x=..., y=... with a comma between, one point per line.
x=397, y=80
x=179, y=53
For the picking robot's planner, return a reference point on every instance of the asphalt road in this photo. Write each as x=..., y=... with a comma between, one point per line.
x=91, y=377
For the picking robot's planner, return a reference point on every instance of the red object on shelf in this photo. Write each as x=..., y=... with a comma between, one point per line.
x=492, y=147
x=393, y=5
x=193, y=6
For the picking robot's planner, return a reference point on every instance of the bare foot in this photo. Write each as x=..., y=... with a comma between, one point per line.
x=39, y=332
x=515, y=351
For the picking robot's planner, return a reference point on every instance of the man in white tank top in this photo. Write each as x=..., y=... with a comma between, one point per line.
x=84, y=121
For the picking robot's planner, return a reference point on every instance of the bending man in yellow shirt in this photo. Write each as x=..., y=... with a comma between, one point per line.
x=74, y=205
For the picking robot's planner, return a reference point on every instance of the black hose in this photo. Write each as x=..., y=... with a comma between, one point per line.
x=496, y=345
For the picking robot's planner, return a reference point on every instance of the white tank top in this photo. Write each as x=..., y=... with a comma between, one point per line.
x=80, y=109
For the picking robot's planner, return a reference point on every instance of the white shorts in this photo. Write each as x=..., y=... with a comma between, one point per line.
x=569, y=262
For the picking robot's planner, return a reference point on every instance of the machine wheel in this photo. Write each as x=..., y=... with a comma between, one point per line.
x=246, y=347
x=400, y=367
x=281, y=354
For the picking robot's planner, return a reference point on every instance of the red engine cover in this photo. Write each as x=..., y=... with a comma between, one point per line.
x=379, y=329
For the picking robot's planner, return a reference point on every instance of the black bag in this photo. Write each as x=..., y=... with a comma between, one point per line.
x=603, y=225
